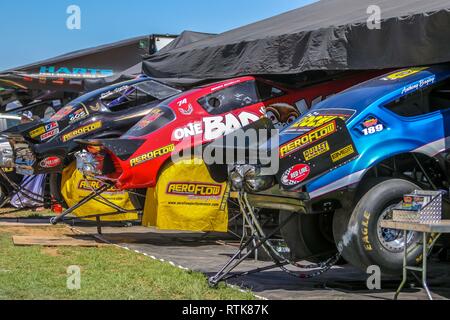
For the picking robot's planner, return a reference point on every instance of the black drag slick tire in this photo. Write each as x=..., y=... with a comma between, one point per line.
x=55, y=188
x=305, y=238
x=363, y=244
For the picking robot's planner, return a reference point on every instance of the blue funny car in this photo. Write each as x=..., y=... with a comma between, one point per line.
x=353, y=157
x=400, y=127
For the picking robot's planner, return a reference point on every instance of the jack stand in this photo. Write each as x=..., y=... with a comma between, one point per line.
x=257, y=240
x=99, y=225
x=96, y=195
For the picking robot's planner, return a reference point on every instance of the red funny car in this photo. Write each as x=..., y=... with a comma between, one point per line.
x=206, y=113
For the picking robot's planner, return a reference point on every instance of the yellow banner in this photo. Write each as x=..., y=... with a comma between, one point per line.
x=75, y=188
x=186, y=198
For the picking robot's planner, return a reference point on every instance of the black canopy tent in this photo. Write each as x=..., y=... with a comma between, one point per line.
x=185, y=38
x=329, y=35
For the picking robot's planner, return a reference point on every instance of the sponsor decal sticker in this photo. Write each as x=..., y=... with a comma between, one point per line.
x=371, y=126
x=89, y=185
x=152, y=155
x=318, y=118
x=37, y=132
x=151, y=117
x=215, y=127
x=62, y=113
x=343, y=153
x=194, y=189
x=308, y=138
x=316, y=151
x=78, y=115
x=45, y=131
x=50, y=162
x=295, y=175
x=403, y=74
x=83, y=130
x=113, y=92
x=50, y=134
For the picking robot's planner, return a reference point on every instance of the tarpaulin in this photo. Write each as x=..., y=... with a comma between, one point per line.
x=32, y=194
x=186, y=198
x=329, y=35
x=75, y=188
x=185, y=38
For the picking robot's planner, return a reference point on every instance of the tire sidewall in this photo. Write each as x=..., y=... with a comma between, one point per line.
x=365, y=219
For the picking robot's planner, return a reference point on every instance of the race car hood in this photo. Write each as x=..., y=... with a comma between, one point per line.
x=41, y=131
x=294, y=158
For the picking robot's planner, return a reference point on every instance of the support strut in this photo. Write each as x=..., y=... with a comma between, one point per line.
x=258, y=239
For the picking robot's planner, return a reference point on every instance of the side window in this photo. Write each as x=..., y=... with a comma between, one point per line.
x=234, y=97
x=422, y=102
x=12, y=123
x=412, y=105
x=267, y=92
x=439, y=98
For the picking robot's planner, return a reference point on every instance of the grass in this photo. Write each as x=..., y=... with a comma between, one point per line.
x=106, y=273
x=30, y=214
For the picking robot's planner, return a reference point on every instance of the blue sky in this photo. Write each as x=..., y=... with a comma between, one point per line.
x=33, y=30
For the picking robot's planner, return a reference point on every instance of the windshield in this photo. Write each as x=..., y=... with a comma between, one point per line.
x=155, y=89
x=113, y=99
x=138, y=93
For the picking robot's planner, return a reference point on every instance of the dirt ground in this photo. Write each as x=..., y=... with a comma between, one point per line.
x=38, y=231
x=207, y=253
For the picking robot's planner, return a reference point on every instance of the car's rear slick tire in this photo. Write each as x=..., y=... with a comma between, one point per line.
x=362, y=243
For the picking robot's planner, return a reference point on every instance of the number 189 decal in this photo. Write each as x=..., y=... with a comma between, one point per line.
x=372, y=126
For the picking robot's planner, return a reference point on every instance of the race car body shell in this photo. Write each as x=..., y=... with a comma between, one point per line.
x=204, y=114
x=45, y=147
x=387, y=116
